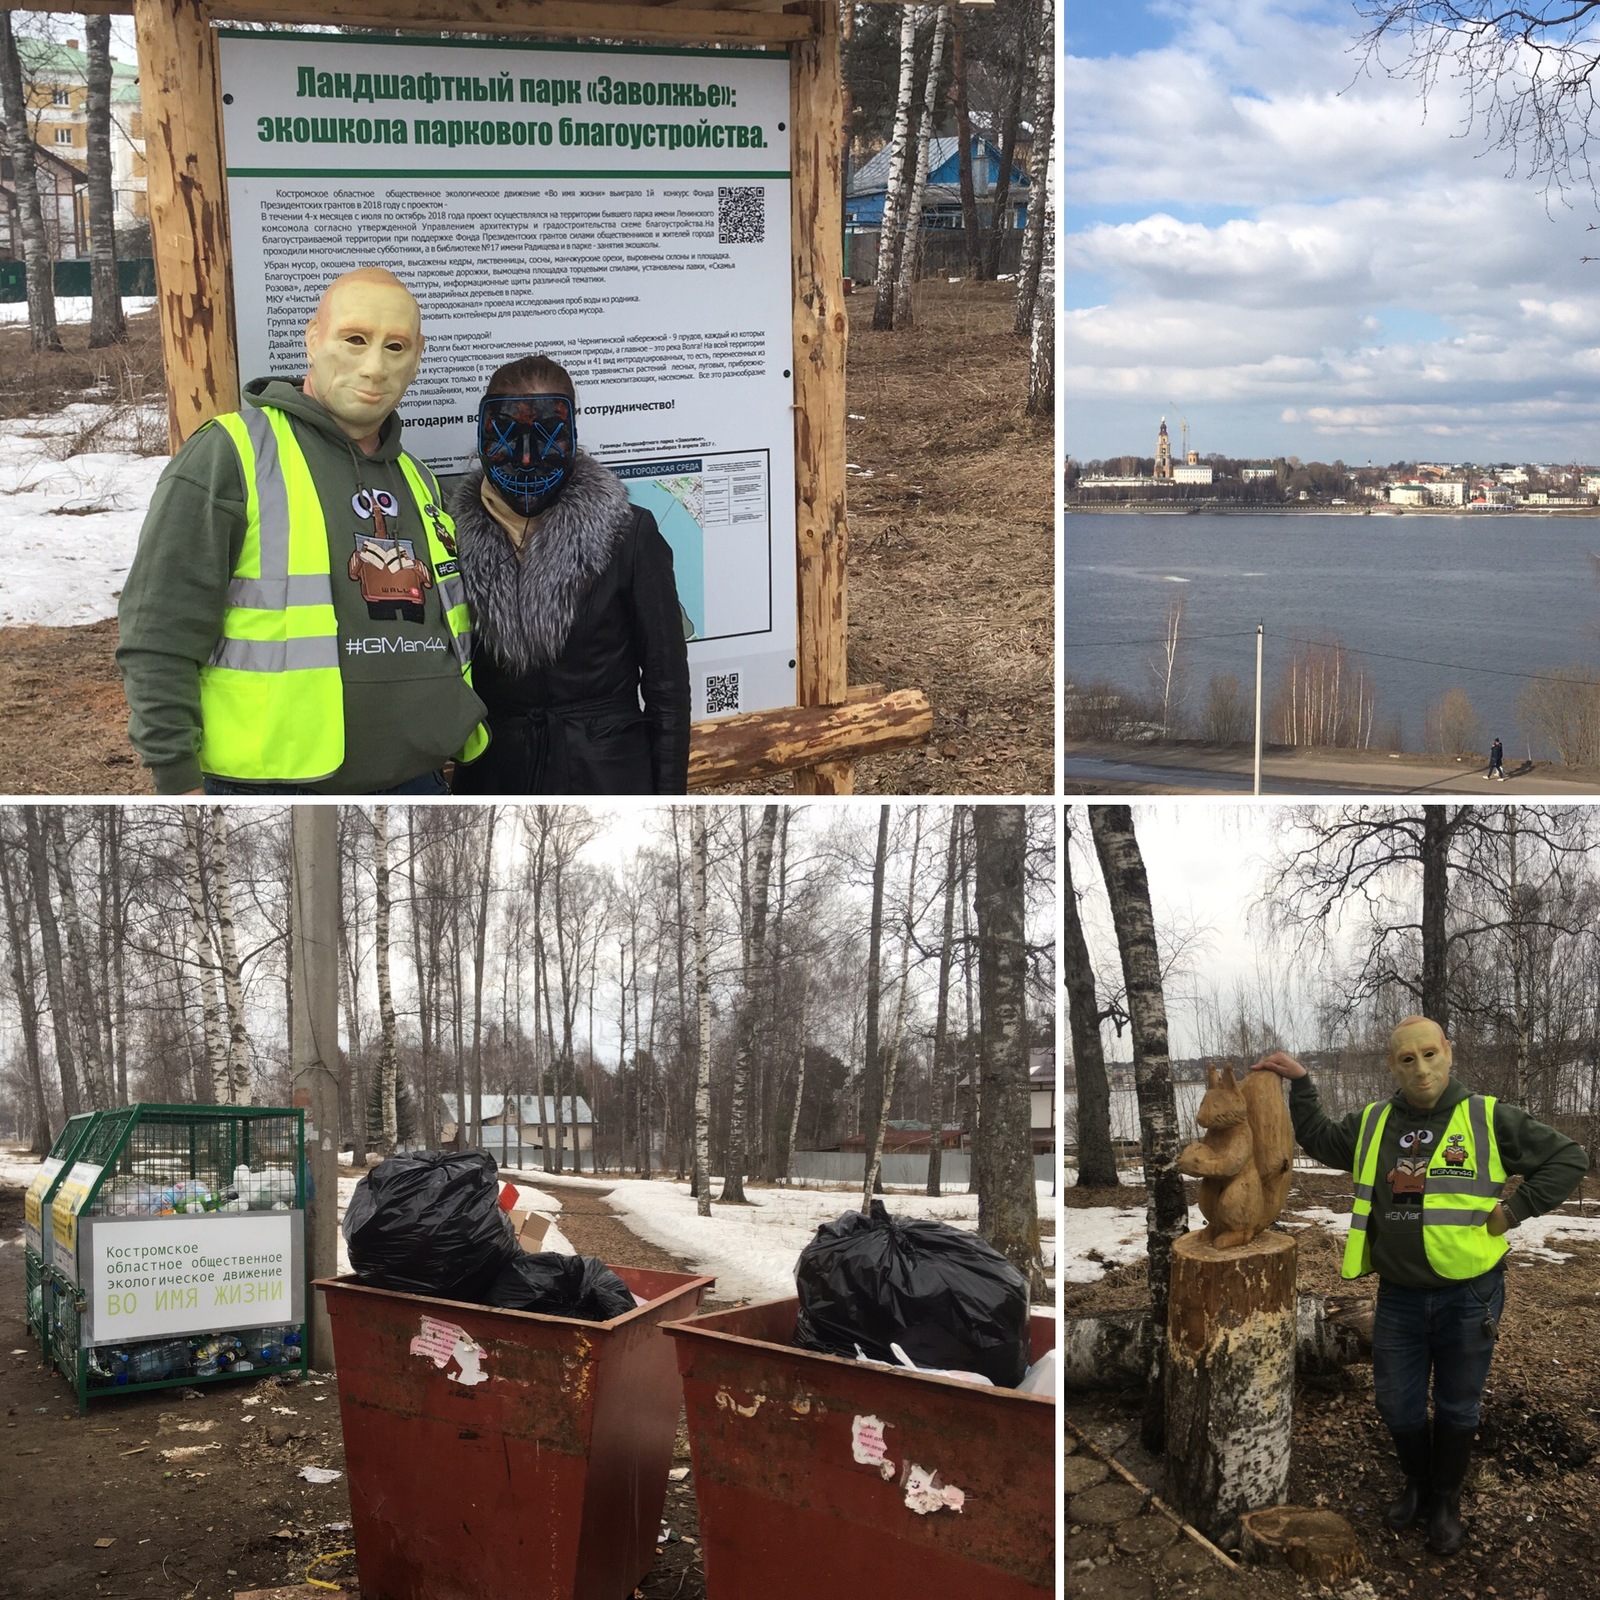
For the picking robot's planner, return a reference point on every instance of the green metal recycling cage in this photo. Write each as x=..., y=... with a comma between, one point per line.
x=36, y=1212
x=173, y=1248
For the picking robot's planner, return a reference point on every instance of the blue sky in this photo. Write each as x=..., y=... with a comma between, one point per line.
x=1291, y=255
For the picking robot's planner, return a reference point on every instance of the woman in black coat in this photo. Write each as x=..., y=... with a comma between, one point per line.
x=578, y=640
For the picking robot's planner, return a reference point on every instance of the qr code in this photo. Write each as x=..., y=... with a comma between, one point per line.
x=742, y=214
x=722, y=692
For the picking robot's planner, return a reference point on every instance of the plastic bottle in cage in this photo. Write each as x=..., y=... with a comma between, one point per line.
x=152, y=1362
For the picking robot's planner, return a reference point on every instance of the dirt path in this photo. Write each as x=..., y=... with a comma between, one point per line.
x=951, y=567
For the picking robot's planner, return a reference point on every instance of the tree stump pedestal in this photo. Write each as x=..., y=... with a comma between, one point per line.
x=1230, y=1377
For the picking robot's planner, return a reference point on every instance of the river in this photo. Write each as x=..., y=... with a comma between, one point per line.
x=1472, y=599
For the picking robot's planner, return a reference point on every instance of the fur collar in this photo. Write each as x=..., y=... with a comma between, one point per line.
x=524, y=610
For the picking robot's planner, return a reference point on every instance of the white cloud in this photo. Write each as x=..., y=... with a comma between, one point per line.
x=1279, y=244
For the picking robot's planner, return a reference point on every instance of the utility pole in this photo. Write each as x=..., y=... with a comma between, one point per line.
x=314, y=1046
x=1257, y=789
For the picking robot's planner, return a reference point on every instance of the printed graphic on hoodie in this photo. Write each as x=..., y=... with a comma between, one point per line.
x=392, y=579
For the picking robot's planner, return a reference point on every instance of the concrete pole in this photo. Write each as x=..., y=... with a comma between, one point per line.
x=1257, y=789
x=314, y=1045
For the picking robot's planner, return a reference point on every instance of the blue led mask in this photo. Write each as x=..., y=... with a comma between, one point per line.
x=527, y=444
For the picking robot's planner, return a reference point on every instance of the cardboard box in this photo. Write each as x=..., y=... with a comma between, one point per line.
x=531, y=1230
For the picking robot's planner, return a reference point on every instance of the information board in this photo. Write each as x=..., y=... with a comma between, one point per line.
x=145, y=1277
x=33, y=1204
x=69, y=1200
x=623, y=210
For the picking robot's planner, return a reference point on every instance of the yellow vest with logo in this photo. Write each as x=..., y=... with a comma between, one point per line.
x=271, y=696
x=1462, y=1186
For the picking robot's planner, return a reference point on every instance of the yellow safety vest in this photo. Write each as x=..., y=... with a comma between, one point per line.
x=1457, y=1197
x=271, y=696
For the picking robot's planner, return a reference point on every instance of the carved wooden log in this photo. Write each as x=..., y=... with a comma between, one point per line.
x=1112, y=1350
x=762, y=743
x=1230, y=1377
x=1319, y=1545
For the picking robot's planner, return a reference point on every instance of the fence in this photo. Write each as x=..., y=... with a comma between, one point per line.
x=72, y=278
x=501, y=1143
x=839, y=1166
x=944, y=252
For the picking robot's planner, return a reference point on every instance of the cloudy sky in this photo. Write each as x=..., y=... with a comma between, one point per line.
x=1292, y=257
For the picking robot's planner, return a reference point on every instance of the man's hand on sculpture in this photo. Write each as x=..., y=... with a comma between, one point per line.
x=1281, y=1062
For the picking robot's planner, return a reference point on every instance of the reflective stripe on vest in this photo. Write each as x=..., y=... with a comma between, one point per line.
x=271, y=696
x=1456, y=1199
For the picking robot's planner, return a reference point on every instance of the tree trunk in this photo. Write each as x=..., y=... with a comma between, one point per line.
x=1008, y=1206
x=752, y=1011
x=1008, y=148
x=232, y=984
x=1044, y=117
x=96, y=1072
x=42, y=334
x=424, y=990
x=1230, y=1377
x=1128, y=888
x=892, y=228
x=971, y=223
x=911, y=250
x=1318, y=1545
x=479, y=937
x=105, y=323
x=941, y=1026
x=1436, y=835
x=22, y=981
x=702, y=982
x=1097, y=1162
x=204, y=961
x=891, y=1065
x=115, y=821
x=388, y=1058
x=872, y=1062
x=1042, y=348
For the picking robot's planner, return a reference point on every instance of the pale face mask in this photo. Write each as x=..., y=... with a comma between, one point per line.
x=363, y=353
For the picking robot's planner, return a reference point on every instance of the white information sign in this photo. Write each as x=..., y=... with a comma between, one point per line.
x=150, y=1276
x=624, y=211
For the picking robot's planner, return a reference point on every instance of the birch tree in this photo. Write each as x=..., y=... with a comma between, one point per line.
x=12, y=889
x=239, y=1091
x=911, y=248
x=1097, y=1161
x=81, y=984
x=1167, y=1212
x=702, y=984
x=202, y=961
x=388, y=1061
x=1044, y=120
x=752, y=1008
x=42, y=334
x=892, y=228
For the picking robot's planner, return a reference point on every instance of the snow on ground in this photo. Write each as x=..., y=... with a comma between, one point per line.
x=72, y=524
x=1096, y=1238
x=752, y=1249
x=17, y=1167
x=74, y=308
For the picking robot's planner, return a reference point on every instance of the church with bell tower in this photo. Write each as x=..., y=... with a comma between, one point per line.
x=1163, y=453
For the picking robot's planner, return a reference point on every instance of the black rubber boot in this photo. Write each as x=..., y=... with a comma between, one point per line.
x=1415, y=1449
x=1452, y=1449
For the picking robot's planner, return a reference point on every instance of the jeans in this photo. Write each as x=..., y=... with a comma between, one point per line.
x=1442, y=1331
x=430, y=783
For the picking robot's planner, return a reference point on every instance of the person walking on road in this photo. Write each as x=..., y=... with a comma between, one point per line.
x=1496, y=756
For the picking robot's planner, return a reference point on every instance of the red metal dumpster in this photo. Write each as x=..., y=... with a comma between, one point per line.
x=503, y=1455
x=819, y=1476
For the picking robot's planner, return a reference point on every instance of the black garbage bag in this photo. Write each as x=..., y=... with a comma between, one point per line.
x=560, y=1286
x=945, y=1297
x=430, y=1223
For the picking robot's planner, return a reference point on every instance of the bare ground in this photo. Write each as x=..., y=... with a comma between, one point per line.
x=1532, y=1502
x=951, y=569
x=231, y=1519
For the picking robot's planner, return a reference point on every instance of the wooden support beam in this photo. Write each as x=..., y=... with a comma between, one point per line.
x=182, y=108
x=821, y=332
x=761, y=744
x=1230, y=1377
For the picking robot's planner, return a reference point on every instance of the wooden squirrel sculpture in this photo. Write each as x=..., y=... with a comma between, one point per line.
x=1243, y=1162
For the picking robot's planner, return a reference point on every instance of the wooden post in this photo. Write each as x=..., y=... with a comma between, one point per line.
x=188, y=210
x=1230, y=1377
x=821, y=331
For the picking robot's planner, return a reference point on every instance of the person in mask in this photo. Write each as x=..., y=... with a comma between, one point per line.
x=293, y=621
x=581, y=656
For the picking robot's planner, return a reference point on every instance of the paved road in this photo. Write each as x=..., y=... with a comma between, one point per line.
x=1184, y=768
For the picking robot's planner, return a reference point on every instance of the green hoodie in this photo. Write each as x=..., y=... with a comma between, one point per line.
x=1551, y=1165
x=406, y=708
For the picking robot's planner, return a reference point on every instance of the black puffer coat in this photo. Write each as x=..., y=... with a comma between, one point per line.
x=569, y=640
